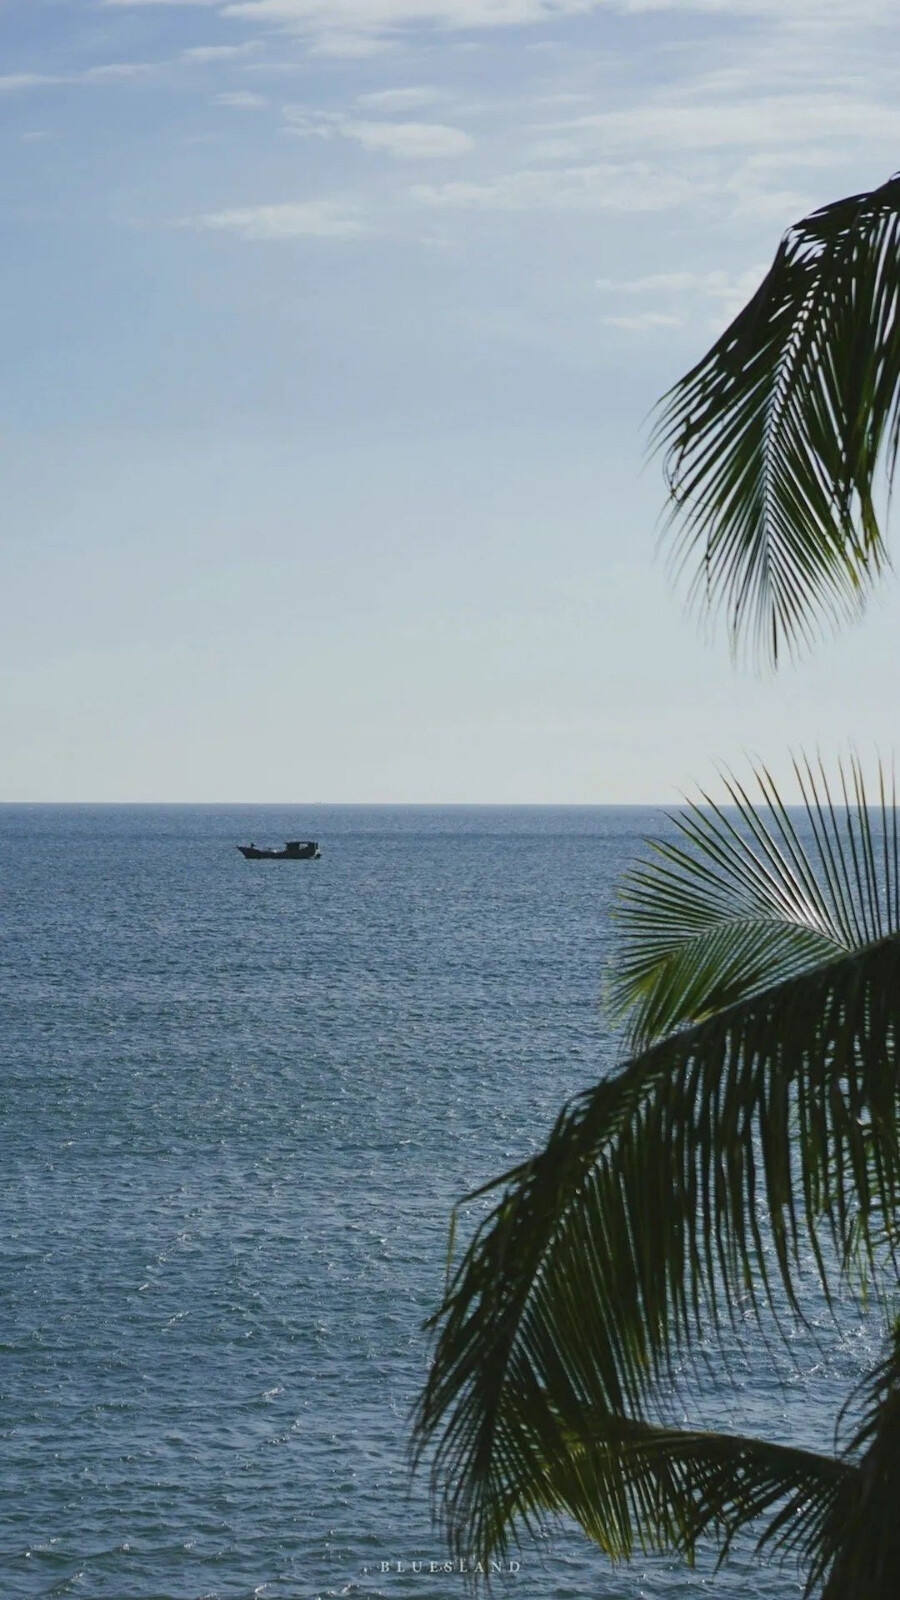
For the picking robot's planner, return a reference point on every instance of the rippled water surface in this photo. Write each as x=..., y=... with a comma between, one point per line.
x=240, y=1099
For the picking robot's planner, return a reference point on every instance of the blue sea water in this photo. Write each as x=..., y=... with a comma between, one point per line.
x=239, y=1102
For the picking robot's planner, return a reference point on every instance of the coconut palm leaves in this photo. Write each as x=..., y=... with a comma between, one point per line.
x=683, y=1193
x=860, y=1533
x=744, y=899
x=624, y=1480
x=773, y=439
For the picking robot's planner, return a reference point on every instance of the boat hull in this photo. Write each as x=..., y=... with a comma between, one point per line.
x=307, y=852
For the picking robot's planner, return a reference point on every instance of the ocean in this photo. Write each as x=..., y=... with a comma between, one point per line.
x=240, y=1101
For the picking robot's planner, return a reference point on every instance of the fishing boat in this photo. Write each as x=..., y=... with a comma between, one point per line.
x=294, y=850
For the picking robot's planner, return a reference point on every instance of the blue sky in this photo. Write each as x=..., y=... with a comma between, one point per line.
x=330, y=332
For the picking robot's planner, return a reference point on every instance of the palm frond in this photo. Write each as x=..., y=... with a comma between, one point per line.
x=632, y=1485
x=681, y=1189
x=859, y=1539
x=773, y=439
x=743, y=898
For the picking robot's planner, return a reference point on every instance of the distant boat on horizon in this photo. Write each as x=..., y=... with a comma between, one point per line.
x=294, y=850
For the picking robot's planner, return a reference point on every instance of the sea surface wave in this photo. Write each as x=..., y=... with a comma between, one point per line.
x=240, y=1101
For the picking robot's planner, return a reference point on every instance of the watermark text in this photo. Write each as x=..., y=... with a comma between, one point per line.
x=487, y=1568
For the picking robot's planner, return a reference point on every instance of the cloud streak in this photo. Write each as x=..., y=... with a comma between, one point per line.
x=406, y=141
x=408, y=99
x=644, y=321
x=779, y=120
x=606, y=186
x=388, y=16
x=204, y=54
x=291, y=219
x=241, y=100
x=22, y=82
x=727, y=292
x=714, y=285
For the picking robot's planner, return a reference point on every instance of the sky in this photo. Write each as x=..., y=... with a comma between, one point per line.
x=331, y=334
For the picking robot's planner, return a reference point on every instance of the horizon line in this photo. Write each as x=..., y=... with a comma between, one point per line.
x=337, y=805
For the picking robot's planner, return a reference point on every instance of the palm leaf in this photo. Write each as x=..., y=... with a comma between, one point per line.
x=773, y=439
x=859, y=1540
x=745, y=898
x=632, y=1486
x=649, y=1211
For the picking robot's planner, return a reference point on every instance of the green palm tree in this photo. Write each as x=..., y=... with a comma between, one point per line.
x=755, y=1125
x=756, y=1121
x=775, y=439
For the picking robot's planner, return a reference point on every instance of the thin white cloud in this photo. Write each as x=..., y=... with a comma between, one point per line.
x=410, y=99
x=799, y=13
x=654, y=281
x=108, y=72
x=368, y=16
x=747, y=130
x=608, y=186
x=348, y=46
x=716, y=285
x=360, y=28
x=809, y=157
x=727, y=291
x=410, y=141
x=498, y=13
x=377, y=16
x=241, y=100
x=21, y=82
x=407, y=141
x=291, y=219
x=130, y=4
x=753, y=203
x=118, y=71
x=760, y=120
x=203, y=53
x=645, y=321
